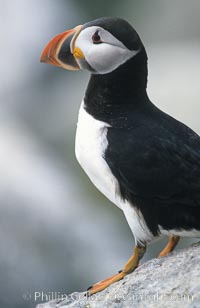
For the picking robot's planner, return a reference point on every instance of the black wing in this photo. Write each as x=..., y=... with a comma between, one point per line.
x=157, y=164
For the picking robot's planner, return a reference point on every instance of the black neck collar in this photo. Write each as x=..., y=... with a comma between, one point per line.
x=111, y=97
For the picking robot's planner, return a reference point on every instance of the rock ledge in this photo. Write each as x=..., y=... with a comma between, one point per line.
x=172, y=281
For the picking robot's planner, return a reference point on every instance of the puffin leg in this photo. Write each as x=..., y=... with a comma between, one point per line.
x=172, y=242
x=129, y=267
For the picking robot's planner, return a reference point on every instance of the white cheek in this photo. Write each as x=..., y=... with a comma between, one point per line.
x=105, y=58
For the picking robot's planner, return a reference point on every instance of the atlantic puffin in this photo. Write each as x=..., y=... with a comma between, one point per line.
x=143, y=160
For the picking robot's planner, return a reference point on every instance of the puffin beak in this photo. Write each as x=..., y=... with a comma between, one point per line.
x=61, y=51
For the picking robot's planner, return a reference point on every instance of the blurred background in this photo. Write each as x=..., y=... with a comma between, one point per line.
x=57, y=232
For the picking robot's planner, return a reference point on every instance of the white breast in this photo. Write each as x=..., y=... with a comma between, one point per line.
x=90, y=146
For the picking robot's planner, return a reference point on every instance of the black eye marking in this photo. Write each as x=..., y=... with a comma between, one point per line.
x=96, y=38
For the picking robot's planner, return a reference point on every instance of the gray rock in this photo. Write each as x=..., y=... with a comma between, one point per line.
x=172, y=281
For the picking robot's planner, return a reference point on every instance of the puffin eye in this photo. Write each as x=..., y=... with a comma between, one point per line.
x=96, y=38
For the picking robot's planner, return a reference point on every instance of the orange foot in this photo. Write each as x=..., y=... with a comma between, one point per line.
x=129, y=267
x=173, y=241
x=101, y=285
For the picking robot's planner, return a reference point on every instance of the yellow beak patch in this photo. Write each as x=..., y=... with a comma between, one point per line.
x=78, y=53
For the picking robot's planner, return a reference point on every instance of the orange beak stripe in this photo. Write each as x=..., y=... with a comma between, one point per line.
x=49, y=54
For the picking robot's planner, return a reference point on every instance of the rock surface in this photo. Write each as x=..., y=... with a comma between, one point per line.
x=172, y=281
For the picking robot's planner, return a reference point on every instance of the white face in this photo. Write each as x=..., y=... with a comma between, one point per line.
x=103, y=57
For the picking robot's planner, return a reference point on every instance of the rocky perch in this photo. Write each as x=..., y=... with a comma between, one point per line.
x=171, y=281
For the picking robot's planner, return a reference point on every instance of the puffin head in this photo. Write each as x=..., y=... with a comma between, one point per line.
x=100, y=46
